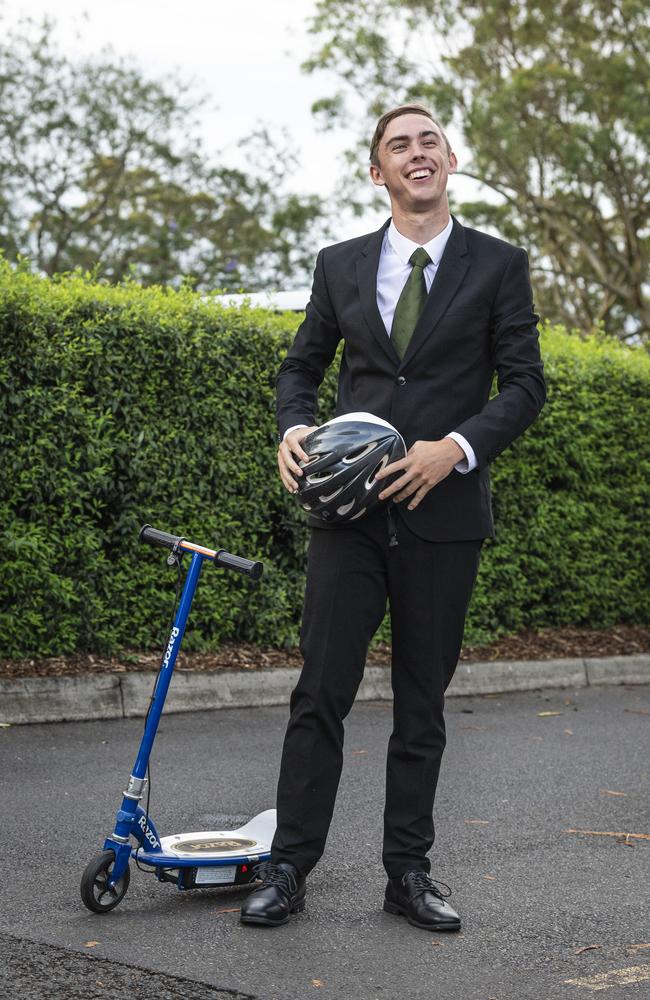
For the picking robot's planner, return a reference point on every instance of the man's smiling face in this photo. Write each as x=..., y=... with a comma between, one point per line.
x=413, y=163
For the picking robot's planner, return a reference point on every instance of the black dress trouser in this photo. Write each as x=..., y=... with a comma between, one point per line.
x=351, y=572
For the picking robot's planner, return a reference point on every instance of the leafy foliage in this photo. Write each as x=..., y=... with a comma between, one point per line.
x=102, y=167
x=121, y=405
x=571, y=498
x=551, y=99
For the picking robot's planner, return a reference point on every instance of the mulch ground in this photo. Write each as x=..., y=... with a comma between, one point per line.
x=546, y=645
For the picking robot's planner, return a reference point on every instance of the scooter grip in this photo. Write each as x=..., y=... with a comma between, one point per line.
x=247, y=566
x=152, y=536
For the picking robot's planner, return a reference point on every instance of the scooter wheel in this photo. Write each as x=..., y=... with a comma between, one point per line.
x=96, y=893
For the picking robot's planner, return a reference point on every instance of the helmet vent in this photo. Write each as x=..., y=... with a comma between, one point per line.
x=371, y=480
x=356, y=456
x=317, y=478
x=332, y=496
x=345, y=509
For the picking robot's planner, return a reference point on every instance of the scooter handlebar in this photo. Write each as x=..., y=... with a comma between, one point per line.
x=252, y=568
x=152, y=536
x=247, y=566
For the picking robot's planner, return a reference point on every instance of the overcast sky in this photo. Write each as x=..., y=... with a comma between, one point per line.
x=245, y=55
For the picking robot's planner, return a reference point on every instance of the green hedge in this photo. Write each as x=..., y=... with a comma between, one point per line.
x=122, y=405
x=571, y=498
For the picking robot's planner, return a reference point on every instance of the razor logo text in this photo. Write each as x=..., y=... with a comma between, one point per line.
x=170, y=645
x=147, y=832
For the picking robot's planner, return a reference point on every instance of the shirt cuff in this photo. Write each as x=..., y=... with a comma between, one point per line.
x=297, y=426
x=469, y=463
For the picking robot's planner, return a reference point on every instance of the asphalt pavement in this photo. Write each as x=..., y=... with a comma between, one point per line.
x=546, y=913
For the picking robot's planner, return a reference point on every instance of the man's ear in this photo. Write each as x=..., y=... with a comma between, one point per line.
x=376, y=176
x=453, y=163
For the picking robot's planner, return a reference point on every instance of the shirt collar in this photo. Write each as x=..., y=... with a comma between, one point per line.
x=404, y=247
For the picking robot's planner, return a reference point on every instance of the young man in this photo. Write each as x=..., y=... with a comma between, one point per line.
x=428, y=311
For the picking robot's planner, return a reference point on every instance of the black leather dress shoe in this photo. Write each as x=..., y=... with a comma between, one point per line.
x=281, y=893
x=416, y=896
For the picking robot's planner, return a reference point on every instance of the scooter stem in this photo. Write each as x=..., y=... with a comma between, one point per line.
x=167, y=666
x=126, y=815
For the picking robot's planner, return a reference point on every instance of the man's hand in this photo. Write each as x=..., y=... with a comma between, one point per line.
x=427, y=463
x=289, y=454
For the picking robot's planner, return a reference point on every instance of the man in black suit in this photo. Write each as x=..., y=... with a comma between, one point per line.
x=420, y=549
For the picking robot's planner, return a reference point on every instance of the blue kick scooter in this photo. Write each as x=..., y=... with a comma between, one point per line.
x=190, y=860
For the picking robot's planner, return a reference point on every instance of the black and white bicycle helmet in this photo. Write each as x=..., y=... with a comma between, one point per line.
x=345, y=454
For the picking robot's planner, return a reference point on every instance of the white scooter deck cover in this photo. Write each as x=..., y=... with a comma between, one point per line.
x=246, y=843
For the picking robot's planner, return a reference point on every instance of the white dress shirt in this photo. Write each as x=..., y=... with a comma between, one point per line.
x=392, y=274
x=394, y=267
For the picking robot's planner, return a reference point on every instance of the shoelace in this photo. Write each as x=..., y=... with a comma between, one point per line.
x=421, y=882
x=271, y=874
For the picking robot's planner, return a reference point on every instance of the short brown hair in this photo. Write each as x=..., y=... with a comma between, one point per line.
x=403, y=109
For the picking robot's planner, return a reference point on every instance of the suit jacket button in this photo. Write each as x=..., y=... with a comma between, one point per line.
x=401, y=380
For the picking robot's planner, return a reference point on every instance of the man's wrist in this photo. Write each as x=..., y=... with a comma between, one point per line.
x=456, y=453
x=294, y=427
x=467, y=462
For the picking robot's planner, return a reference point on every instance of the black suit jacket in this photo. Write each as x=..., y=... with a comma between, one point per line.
x=478, y=319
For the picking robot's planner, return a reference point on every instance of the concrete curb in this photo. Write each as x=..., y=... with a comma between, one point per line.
x=126, y=695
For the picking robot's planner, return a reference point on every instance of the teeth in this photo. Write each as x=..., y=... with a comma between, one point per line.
x=416, y=174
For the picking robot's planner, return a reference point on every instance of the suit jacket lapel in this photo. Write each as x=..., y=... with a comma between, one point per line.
x=367, y=265
x=451, y=271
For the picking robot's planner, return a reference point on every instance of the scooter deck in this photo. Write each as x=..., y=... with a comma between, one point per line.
x=249, y=844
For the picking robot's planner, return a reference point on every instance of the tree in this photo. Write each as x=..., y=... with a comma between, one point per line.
x=102, y=166
x=553, y=101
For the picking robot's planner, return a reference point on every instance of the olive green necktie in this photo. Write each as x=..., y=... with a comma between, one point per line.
x=410, y=303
